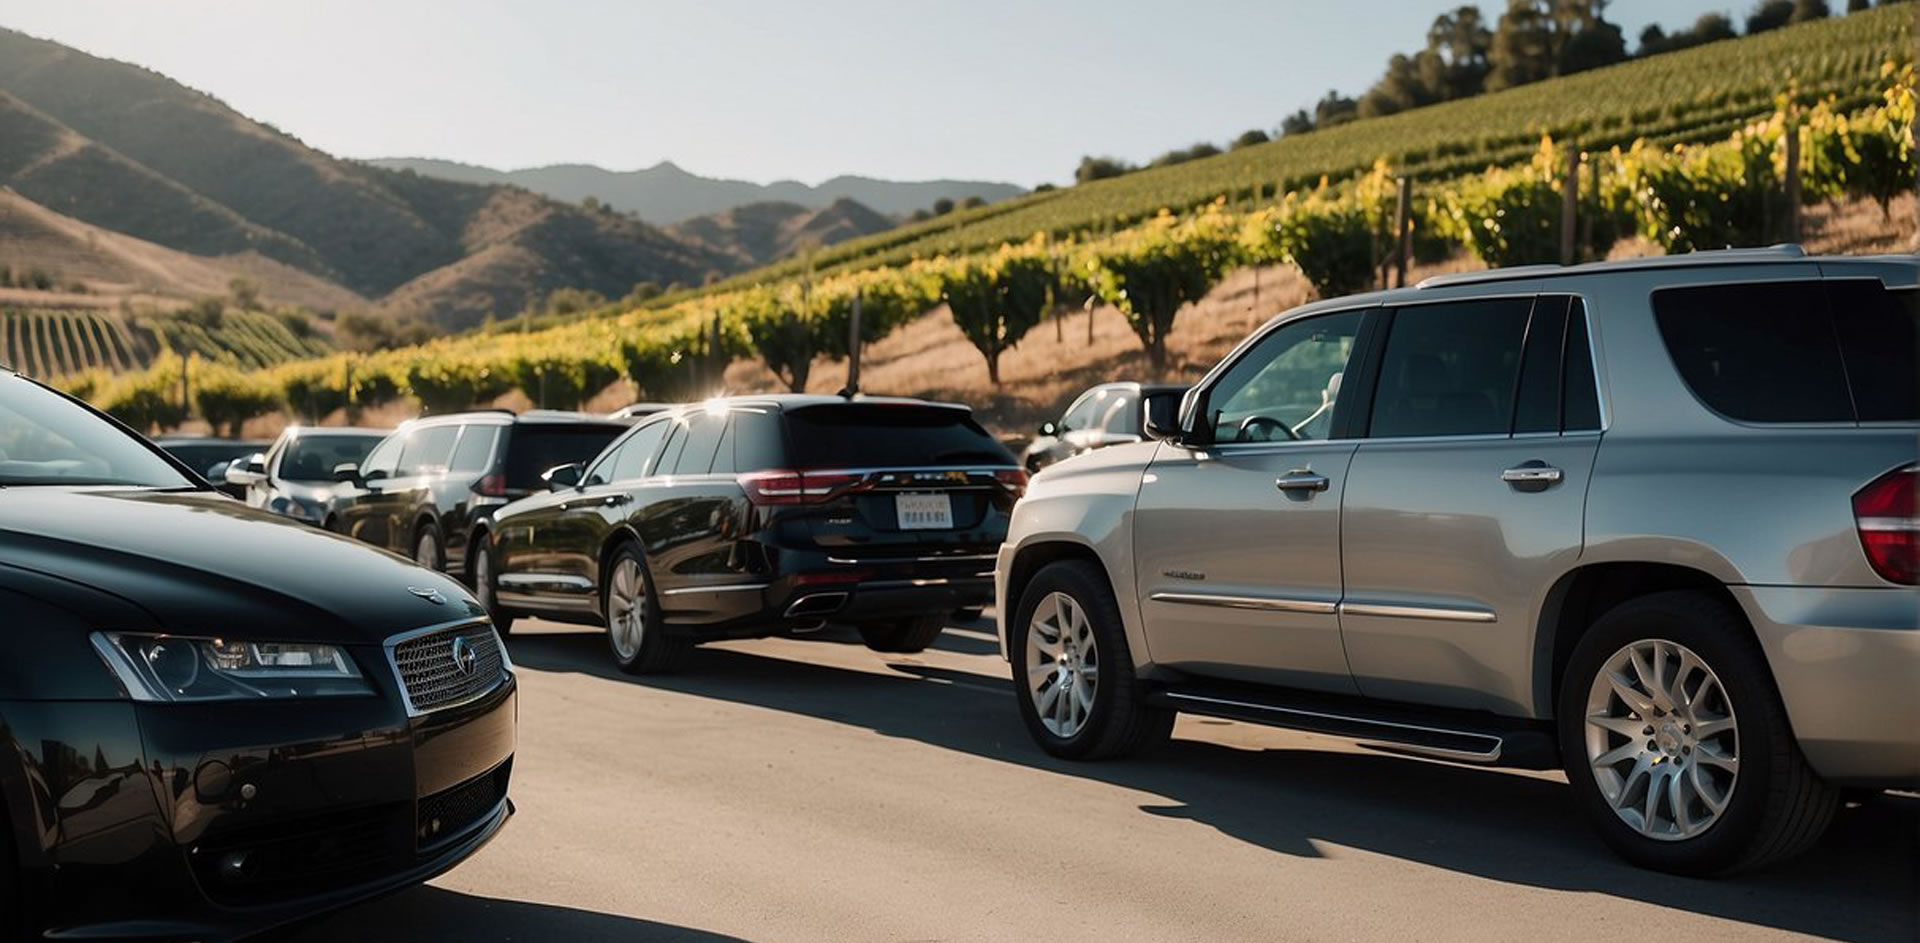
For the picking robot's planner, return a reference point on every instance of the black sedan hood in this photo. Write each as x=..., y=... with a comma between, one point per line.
x=203, y=564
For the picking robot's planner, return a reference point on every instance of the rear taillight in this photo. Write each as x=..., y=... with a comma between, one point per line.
x=492, y=486
x=794, y=487
x=1012, y=479
x=1889, y=522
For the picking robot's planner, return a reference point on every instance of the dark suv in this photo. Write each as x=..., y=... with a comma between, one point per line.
x=423, y=489
x=758, y=516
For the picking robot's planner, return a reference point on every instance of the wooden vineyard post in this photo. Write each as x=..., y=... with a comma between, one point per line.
x=1402, y=230
x=1793, y=182
x=1570, y=206
x=1253, y=313
x=1089, y=306
x=853, y=347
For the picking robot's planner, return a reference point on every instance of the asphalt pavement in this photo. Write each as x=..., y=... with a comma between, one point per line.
x=809, y=789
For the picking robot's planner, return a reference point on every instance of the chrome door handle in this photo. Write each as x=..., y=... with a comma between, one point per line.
x=615, y=500
x=1301, y=480
x=1532, y=473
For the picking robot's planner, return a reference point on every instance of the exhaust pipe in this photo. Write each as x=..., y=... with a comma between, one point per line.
x=816, y=605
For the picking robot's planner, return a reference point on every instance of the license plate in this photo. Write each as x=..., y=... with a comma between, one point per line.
x=924, y=511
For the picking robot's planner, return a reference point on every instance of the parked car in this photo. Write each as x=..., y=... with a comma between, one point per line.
x=423, y=489
x=1652, y=522
x=1108, y=414
x=214, y=721
x=757, y=516
x=295, y=476
x=209, y=456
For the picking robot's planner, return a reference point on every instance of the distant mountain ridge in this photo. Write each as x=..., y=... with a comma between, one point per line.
x=758, y=233
x=665, y=193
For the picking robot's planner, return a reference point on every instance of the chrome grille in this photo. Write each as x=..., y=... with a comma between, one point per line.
x=432, y=676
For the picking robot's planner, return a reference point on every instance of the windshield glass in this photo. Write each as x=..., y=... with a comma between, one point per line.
x=312, y=457
x=46, y=439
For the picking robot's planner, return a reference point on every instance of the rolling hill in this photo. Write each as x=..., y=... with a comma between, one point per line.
x=664, y=193
x=758, y=233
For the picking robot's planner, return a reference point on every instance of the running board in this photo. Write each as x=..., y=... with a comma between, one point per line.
x=1442, y=734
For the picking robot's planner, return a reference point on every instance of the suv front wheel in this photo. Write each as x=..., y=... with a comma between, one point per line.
x=1072, y=669
x=1677, y=746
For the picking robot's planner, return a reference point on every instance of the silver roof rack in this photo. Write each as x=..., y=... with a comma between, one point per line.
x=1785, y=252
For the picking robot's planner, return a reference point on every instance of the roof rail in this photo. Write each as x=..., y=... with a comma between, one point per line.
x=1783, y=252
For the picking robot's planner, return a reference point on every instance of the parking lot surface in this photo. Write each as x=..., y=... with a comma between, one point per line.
x=814, y=790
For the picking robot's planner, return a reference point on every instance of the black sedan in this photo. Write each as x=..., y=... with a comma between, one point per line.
x=214, y=720
x=758, y=516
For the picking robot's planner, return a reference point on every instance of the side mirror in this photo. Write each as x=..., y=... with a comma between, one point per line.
x=348, y=472
x=1048, y=428
x=562, y=477
x=1160, y=415
x=245, y=472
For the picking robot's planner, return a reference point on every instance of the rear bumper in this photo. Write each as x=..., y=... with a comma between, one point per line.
x=817, y=587
x=1846, y=662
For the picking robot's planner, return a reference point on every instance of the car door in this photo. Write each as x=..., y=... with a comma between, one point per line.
x=551, y=543
x=358, y=513
x=1236, y=542
x=688, y=520
x=1466, y=497
x=406, y=497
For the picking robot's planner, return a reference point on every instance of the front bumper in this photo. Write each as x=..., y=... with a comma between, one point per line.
x=1847, y=663
x=267, y=813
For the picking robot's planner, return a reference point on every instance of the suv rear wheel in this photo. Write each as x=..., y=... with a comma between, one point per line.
x=903, y=636
x=1073, y=672
x=635, y=630
x=1677, y=746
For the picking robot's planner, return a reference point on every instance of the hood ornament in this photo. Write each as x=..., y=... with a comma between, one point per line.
x=429, y=594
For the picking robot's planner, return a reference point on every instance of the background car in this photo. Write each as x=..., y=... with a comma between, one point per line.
x=209, y=457
x=757, y=516
x=1108, y=414
x=214, y=721
x=295, y=476
x=1651, y=522
x=423, y=489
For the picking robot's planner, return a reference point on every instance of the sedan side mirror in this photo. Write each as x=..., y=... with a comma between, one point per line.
x=562, y=477
x=1048, y=428
x=348, y=472
x=248, y=471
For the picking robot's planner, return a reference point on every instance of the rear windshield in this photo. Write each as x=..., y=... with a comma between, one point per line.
x=1804, y=351
x=312, y=457
x=532, y=449
x=876, y=435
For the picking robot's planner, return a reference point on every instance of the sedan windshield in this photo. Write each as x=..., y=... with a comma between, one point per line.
x=46, y=439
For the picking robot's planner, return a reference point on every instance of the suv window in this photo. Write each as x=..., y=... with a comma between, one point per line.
x=702, y=439
x=384, y=457
x=756, y=441
x=311, y=458
x=475, y=451
x=1081, y=415
x=1450, y=369
x=1556, y=371
x=532, y=448
x=427, y=451
x=1288, y=382
x=889, y=435
x=1879, y=333
x=629, y=461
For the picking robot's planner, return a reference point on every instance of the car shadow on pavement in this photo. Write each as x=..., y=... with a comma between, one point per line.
x=432, y=913
x=1859, y=884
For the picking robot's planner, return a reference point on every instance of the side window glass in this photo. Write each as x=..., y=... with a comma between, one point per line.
x=385, y=457
x=428, y=450
x=1580, y=403
x=1450, y=369
x=1757, y=352
x=703, y=439
x=631, y=461
x=1286, y=387
x=1081, y=414
x=475, y=451
x=1120, y=417
x=670, y=453
x=1538, y=409
x=757, y=445
x=1879, y=332
x=723, y=456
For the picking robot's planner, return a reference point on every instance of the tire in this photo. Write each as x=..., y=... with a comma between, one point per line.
x=1115, y=720
x=429, y=547
x=903, y=636
x=636, y=633
x=485, y=571
x=1771, y=804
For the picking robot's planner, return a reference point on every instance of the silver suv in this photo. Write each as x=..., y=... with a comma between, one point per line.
x=1651, y=522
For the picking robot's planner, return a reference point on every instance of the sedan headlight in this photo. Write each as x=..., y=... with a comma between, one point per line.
x=181, y=668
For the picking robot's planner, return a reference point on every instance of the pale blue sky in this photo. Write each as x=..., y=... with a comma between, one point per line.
x=760, y=89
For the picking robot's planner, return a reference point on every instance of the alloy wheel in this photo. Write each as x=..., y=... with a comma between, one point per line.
x=1063, y=665
x=1662, y=740
x=426, y=550
x=627, y=608
x=483, y=577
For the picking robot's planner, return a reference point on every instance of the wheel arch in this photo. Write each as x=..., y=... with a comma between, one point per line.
x=1582, y=595
x=1035, y=556
x=615, y=539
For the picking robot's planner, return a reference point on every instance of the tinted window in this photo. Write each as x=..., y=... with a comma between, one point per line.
x=475, y=451
x=1762, y=352
x=1291, y=379
x=428, y=450
x=1580, y=393
x=47, y=439
x=723, y=456
x=670, y=453
x=384, y=456
x=1450, y=369
x=869, y=435
x=1879, y=342
x=532, y=448
x=702, y=440
x=630, y=460
x=312, y=457
x=756, y=441
x=1538, y=408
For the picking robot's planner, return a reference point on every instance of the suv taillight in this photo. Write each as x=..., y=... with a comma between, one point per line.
x=1012, y=479
x=796, y=487
x=492, y=486
x=1889, y=522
